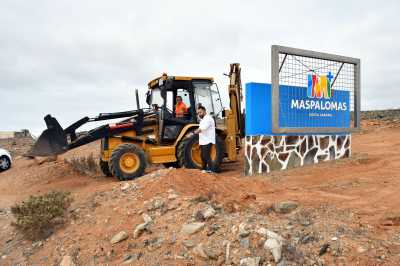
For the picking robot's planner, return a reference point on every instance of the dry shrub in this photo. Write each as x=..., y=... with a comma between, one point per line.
x=37, y=216
x=84, y=165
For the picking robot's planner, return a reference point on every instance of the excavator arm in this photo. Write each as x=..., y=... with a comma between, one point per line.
x=56, y=140
x=234, y=118
x=235, y=97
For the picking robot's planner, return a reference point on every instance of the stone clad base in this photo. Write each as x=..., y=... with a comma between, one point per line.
x=264, y=154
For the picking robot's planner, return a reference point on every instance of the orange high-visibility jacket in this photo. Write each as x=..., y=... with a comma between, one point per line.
x=181, y=109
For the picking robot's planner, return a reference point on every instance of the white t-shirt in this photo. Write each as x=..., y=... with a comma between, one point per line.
x=207, y=127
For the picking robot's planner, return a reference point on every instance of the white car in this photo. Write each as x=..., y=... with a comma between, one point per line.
x=5, y=160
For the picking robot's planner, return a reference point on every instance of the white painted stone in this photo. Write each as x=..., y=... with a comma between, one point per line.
x=263, y=166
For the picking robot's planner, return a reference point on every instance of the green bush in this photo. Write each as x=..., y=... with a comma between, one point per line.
x=38, y=215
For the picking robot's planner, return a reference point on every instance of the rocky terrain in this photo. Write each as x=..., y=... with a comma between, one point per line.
x=17, y=146
x=386, y=115
x=345, y=212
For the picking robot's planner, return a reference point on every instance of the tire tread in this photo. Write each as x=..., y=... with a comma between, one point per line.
x=114, y=161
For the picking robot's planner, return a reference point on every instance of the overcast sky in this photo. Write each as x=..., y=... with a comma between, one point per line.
x=77, y=58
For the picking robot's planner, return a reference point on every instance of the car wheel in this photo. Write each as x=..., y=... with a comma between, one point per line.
x=5, y=163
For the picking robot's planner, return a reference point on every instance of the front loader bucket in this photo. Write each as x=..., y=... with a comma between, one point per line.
x=52, y=141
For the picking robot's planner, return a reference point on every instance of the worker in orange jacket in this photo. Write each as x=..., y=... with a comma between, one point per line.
x=180, y=108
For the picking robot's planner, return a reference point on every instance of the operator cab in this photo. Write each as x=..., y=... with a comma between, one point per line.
x=162, y=97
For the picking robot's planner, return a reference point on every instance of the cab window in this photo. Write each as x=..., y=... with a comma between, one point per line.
x=185, y=96
x=207, y=95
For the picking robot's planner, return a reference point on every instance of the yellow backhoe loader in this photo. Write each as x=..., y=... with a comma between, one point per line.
x=156, y=134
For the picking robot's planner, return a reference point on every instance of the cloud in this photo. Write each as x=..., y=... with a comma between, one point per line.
x=77, y=58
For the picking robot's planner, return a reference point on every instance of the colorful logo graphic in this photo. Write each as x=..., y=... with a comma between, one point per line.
x=319, y=87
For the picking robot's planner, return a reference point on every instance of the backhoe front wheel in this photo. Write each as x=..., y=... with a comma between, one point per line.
x=127, y=162
x=189, y=154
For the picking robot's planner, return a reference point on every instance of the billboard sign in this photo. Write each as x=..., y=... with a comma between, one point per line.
x=314, y=92
x=314, y=106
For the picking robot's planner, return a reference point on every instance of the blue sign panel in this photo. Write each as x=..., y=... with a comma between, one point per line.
x=297, y=108
x=258, y=109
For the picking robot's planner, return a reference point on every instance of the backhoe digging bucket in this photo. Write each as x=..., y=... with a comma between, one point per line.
x=52, y=141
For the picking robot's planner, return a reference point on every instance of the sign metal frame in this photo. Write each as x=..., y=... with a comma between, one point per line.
x=275, y=69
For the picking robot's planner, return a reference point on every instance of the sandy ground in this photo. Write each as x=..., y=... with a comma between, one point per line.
x=360, y=193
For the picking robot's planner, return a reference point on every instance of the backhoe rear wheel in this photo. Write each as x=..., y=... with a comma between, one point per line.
x=105, y=168
x=127, y=162
x=189, y=154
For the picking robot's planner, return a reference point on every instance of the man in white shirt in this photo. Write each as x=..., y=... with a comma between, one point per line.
x=206, y=133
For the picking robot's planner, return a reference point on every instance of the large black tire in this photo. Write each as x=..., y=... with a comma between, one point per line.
x=5, y=163
x=105, y=168
x=189, y=155
x=127, y=162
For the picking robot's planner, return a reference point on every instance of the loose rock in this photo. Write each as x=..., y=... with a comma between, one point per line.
x=143, y=226
x=212, y=229
x=206, y=252
x=262, y=231
x=212, y=253
x=139, y=230
x=275, y=247
x=172, y=196
x=199, y=251
x=285, y=206
x=271, y=234
x=244, y=242
x=129, y=259
x=324, y=249
x=282, y=263
x=189, y=229
x=125, y=187
x=208, y=213
x=147, y=219
x=250, y=261
x=307, y=239
x=156, y=203
x=67, y=261
x=361, y=249
x=227, y=245
x=243, y=230
x=274, y=244
x=188, y=243
x=121, y=236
